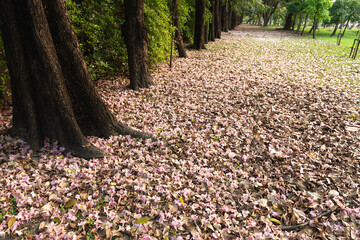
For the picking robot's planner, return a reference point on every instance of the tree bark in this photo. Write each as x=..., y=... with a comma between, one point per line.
x=212, y=24
x=334, y=32
x=199, y=40
x=218, y=18
x=52, y=94
x=206, y=32
x=300, y=23
x=314, y=27
x=178, y=33
x=224, y=19
x=234, y=20
x=306, y=19
x=288, y=21
x=135, y=36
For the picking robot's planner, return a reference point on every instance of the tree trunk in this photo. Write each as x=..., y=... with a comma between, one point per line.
x=217, y=18
x=212, y=23
x=288, y=21
x=199, y=40
x=206, y=32
x=53, y=95
x=178, y=34
x=311, y=29
x=334, y=32
x=300, y=22
x=224, y=19
x=314, y=27
x=306, y=19
x=234, y=20
x=293, y=22
x=230, y=13
x=346, y=25
x=135, y=36
x=260, y=18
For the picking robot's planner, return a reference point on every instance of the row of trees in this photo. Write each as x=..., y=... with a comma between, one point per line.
x=53, y=95
x=297, y=14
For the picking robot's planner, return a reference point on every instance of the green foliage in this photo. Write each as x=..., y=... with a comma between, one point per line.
x=98, y=27
x=187, y=19
x=159, y=22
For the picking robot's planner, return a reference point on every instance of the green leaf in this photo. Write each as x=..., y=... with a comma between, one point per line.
x=70, y=203
x=277, y=209
x=142, y=220
x=11, y=222
x=57, y=220
x=274, y=220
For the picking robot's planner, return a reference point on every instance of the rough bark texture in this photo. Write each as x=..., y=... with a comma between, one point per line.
x=135, y=35
x=53, y=95
x=178, y=34
x=199, y=40
x=206, y=32
x=212, y=24
x=224, y=18
x=218, y=18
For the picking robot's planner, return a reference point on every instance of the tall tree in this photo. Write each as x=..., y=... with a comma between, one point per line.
x=135, y=35
x=225, y=16
x=218, y=11
x=178, y=33
x=270, y=8
x=212, y=23
x=52, y=93
x=199, y=36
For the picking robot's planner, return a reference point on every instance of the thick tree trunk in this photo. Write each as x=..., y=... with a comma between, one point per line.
x=212, y=24
x=218, y=18
x=234, y=20
x=288, y=21
x=135, y=35
x=230, y=12
x=199, y=40
x=178, y=34
x=224, y=19
x=206, y=32
x=334, y=32
x=53, y=95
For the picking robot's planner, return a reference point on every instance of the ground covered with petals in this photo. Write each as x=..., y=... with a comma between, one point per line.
x=258, y=132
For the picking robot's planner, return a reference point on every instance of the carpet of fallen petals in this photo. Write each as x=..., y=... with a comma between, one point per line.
x=258, y=132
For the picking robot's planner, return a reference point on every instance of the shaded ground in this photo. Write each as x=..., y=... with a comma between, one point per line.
x=259, y=130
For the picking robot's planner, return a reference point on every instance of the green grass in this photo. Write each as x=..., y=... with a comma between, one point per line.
x=324, y=35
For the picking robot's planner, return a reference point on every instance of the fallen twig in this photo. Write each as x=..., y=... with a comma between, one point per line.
x=294, y=227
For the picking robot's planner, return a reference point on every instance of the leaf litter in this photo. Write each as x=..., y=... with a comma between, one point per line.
x=258, y=133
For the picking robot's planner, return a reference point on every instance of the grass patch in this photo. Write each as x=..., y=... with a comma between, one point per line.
x=324, y=35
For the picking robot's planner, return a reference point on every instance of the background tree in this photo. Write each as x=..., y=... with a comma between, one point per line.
x=318, y=10
x=135, y=35
x=199, y=36
x=178, y=33
x=52, y=93
x=217, y=18
x=350, y=10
